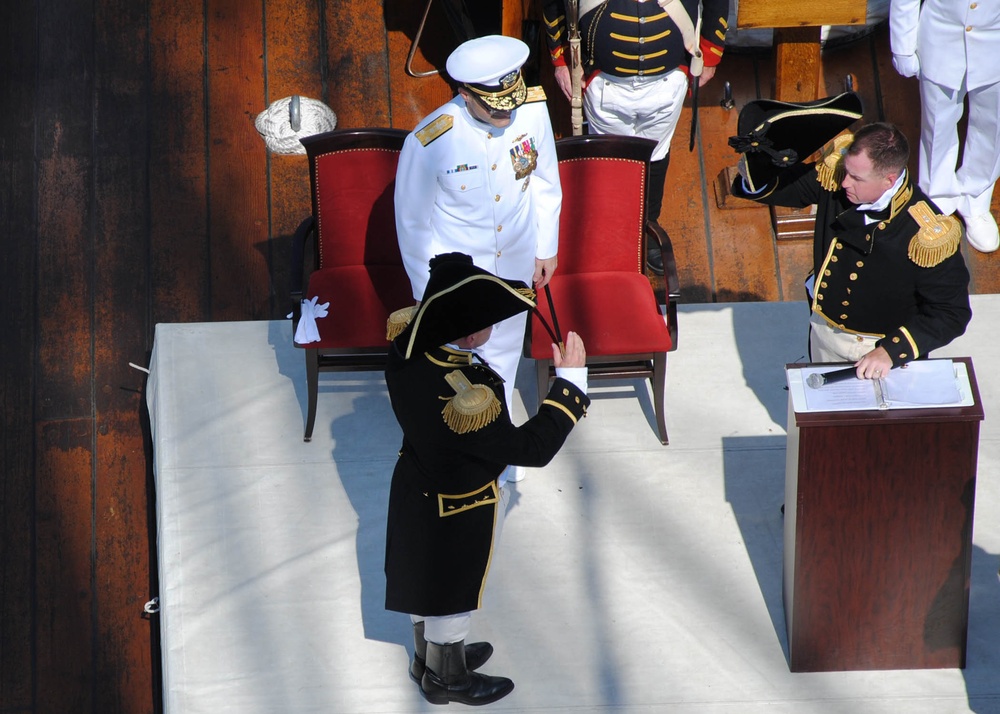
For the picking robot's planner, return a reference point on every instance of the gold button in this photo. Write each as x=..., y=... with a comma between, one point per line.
x=489, y=135
x=642, y=40
x=860, y=264
x=499, y=252
x=895, y=340
x=839, y=245
x=881, y=225
x=833, y=259
x=823, y=284
x=969, y=28
x=859, y=338
x=854, y=276
x=463, y=186
x=499, y=228
x=497, y=197
x=845, y=303
x=819, y=296
x=565, y=392
x=844, y=317
x=827, y=273
x=868, y=238
x=903, y=355
x=639, y=72
x=493, y=167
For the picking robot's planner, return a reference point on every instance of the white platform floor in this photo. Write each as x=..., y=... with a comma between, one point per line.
x=632, y=577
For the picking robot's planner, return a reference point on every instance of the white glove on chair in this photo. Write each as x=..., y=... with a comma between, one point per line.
x=307, y=331
x=906, y=65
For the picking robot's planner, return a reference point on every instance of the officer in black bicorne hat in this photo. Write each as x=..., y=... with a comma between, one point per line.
x=446, y=506
x=889, y=283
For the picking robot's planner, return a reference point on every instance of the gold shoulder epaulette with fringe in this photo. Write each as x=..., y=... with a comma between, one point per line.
x=937, y=239
x=398, y=321
x=535, y=94
x=473, y=406
x=436, y=128
x=830, y=167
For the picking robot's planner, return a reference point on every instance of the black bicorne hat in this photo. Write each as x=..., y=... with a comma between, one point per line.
x=460, y=299
x=774, y=135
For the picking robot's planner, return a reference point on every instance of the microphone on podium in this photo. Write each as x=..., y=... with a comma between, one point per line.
x=817, y=380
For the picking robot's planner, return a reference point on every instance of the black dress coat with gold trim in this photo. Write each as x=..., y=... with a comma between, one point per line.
x=865, y=280
x=444, y=493
x=626, y=38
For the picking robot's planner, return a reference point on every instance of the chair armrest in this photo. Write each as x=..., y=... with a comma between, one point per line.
x=669, y=262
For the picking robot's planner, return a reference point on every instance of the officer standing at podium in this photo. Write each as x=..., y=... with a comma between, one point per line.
x=889, y=283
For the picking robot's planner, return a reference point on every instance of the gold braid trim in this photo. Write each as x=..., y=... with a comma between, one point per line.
x=526, y=292
x=473, y=406
x=937, y=239
x=830, y=167
x=398, y=321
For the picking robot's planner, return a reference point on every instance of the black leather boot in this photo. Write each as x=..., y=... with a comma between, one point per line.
x=448, y=679
x=476, y=653
x=654, y=202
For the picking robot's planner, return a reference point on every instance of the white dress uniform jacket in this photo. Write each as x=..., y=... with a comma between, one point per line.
x=491, y=193
x=951, y=39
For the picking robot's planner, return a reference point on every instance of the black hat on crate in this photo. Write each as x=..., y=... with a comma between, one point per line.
x=460, y=299
x=774, y=135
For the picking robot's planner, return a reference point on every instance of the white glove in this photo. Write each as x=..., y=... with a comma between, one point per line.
x=307, y=331
x=906, y=65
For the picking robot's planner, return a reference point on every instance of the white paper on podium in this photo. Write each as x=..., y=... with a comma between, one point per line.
x=920, y=384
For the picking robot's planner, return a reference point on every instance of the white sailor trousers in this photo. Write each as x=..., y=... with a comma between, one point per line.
x=647, y=107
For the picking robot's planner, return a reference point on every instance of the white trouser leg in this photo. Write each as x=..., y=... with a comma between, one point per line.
x=981, y=157
x=940, y=111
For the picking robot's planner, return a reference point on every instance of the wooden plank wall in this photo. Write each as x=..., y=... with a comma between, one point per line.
x=135, y=190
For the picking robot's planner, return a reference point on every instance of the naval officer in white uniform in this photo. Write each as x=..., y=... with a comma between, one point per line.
x=479, y=176
x=952, y=47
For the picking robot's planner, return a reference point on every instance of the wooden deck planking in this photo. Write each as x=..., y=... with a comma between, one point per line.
x=179, y=246
x=238, y=223
x=18, y=295
x=123, y=556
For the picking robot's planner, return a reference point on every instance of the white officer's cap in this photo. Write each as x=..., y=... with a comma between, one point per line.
x=491, y=68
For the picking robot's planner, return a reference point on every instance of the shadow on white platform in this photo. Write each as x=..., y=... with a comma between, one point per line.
x=632, y=577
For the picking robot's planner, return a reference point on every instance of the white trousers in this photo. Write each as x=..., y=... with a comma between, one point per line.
x=830, y=344
x=967, y=189
x=647, y=107
x=446, y=629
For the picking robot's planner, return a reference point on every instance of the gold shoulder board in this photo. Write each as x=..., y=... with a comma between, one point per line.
x=473, y=406
x=830, y=167
x=435, y=129
x=535, y=94
x=938, y=236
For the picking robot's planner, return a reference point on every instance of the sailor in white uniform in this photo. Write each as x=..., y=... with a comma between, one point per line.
x=479, y=176
x=951, y=46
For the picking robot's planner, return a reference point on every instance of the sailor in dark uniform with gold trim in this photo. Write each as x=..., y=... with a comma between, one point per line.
x=889, y=283
x=638, y=57
x=445, y=503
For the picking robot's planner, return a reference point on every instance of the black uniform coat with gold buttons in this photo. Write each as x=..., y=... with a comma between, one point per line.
x=865, y=279
x=444, y=495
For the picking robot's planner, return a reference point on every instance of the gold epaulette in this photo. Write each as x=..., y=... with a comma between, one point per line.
x=937, y=238
x=830, y=167
x=398, y=321
x=473, y=406
x=535, y=94
x=436, y=128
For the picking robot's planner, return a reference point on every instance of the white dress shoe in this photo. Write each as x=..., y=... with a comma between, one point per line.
x=982, y=232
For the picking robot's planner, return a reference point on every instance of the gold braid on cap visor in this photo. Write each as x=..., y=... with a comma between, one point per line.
x=509, y=96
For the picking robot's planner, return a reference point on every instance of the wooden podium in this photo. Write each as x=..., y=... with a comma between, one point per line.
x=878, y=535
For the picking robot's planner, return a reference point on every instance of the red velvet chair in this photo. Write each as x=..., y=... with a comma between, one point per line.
x=357, y=265
x=599, y=289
